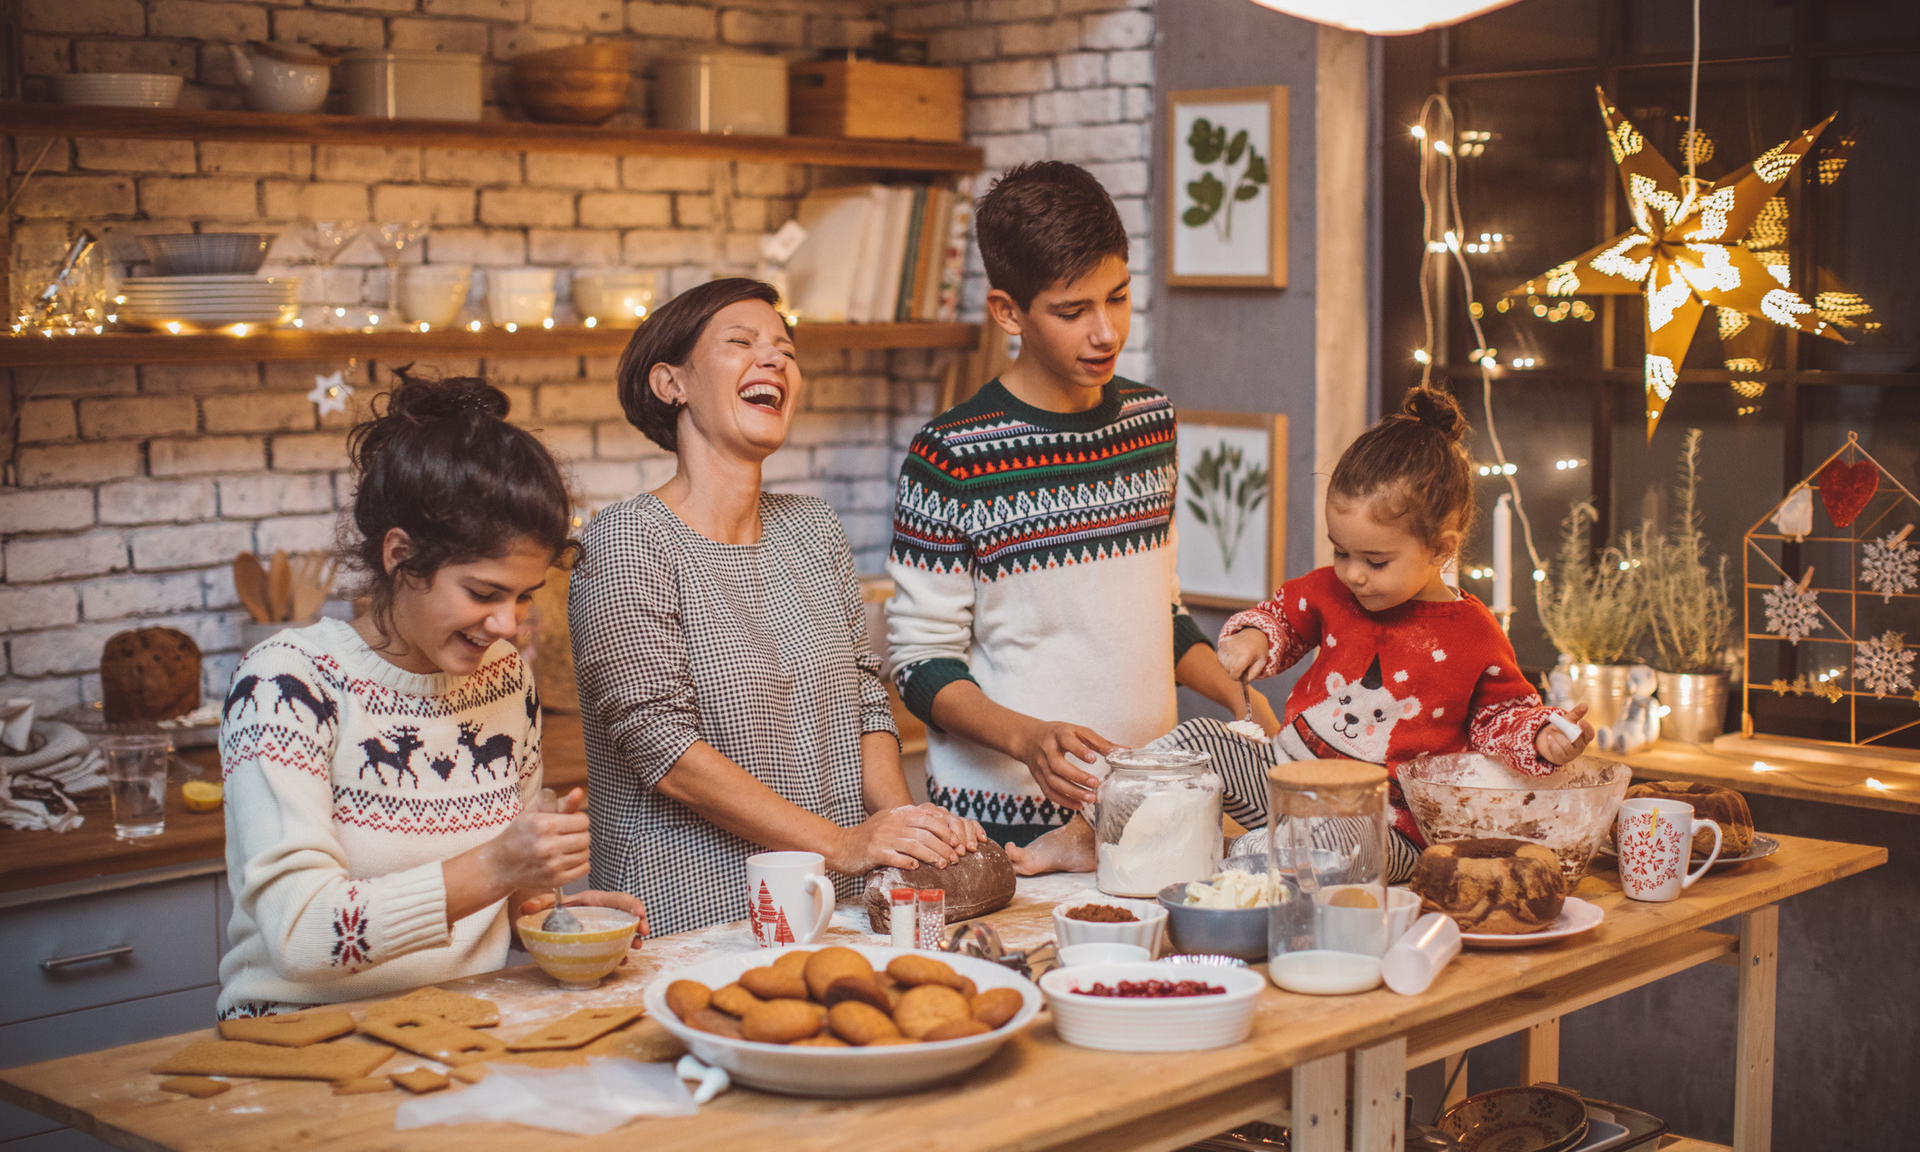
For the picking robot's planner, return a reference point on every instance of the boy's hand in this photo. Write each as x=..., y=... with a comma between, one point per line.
x=1244, y=653
x=1554, y=745
x=1045, y=749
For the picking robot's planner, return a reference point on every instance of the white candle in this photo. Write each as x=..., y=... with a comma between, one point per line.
x=1503, y=554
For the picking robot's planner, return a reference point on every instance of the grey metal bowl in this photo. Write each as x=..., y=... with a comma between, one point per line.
x=207, y=253
x=1237, y=932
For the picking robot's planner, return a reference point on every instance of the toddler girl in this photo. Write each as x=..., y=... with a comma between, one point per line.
x=1406, y=664
x=380, y=775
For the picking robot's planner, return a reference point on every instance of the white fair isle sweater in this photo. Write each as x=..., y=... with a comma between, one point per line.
x=348, y=783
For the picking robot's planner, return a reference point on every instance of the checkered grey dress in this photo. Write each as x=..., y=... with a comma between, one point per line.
x=760, y=650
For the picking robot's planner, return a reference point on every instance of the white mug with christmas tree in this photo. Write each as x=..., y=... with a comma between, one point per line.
x=789, y=898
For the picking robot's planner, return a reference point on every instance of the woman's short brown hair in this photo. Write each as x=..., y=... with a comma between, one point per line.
x=668, y=337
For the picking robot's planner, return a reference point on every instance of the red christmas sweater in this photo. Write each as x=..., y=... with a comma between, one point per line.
x=1428, y=676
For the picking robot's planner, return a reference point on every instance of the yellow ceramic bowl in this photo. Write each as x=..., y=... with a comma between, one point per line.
x=578, y=960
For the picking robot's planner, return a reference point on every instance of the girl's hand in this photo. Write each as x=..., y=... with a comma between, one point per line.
x=1244, y=654
x=1555, y=747
x=1050, y=749
x=903, y=837
x=593, y=898
x=541, y=849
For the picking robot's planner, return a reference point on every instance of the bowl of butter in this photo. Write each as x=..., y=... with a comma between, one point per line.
x=1224, y=916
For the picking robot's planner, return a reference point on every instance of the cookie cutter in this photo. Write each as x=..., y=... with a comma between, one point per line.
x=979, y=939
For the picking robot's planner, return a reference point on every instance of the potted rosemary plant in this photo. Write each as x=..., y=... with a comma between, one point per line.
x=1593, y=611
x=1688, y=612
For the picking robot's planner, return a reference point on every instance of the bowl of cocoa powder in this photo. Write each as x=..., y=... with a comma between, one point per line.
x=1110, y=920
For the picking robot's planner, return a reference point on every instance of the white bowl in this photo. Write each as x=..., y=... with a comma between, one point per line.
x=1173, y=1024
x=119, y=89
x=842, y=1071
x=1076, y=955
x=620, y=297
x=519, y=295
x=1143, y=932
x=434, y=293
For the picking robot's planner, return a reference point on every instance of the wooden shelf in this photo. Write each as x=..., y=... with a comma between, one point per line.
x=24, y=119
x=492, y=343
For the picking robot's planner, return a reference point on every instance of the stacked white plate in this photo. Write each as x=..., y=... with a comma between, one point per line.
x=208, y=301
x=120, y=89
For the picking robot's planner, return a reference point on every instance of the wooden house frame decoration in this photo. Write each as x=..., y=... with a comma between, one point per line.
x=1788, y=682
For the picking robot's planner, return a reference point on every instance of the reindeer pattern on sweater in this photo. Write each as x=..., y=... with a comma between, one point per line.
x=349, y=781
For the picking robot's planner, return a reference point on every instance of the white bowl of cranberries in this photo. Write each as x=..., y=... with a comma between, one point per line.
x=1152, y=1006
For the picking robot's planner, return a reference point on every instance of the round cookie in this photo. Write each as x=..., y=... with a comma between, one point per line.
x=1723, y=806
x=1493, y=886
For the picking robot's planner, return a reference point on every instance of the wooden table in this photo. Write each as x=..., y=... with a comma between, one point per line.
x=1039, y=1092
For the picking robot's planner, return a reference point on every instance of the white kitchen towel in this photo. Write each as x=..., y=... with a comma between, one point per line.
x=585, y=1101
x=36, y=787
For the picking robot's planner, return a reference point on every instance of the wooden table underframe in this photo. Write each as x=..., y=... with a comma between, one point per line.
x=1039, y=1092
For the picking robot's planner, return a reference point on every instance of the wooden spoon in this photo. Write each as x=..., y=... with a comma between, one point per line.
x=313, y=579
x=250, y=581
x=280, y=585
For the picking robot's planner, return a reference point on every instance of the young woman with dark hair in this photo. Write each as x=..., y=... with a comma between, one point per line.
x=730, y=699
x=379, y=774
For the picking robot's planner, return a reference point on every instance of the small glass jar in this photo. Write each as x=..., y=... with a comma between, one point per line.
x=1328, y=840
x=1159, y=821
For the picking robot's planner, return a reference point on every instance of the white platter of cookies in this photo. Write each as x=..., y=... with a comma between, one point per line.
x=809, y=1021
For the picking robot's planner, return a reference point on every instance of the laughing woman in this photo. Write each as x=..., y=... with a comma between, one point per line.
x=730, y=700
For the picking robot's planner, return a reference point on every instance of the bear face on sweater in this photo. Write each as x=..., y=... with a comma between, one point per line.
x=1358, y=717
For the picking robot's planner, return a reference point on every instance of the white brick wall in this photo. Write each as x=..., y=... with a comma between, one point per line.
x=1057, y=80
x=131, y=489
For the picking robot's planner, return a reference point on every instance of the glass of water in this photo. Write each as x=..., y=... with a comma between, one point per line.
x=137, y=780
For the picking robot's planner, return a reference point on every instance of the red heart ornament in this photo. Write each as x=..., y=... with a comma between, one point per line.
x=1846, y=488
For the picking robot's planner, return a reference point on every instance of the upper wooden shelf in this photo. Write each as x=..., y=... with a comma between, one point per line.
x=24, y=119
x=493, y=343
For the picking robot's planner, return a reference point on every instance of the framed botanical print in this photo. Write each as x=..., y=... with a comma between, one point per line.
x=1232, y=510
x=1226, y=185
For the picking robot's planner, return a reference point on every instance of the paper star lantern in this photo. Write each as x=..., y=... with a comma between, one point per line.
x=1684, y=251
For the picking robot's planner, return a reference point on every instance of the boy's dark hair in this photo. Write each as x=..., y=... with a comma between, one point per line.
x=668, y=337
x=1044, y=223
x=440, y=462
x=1416, y=461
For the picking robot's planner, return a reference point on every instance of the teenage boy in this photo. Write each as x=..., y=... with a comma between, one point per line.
x=1036, y=622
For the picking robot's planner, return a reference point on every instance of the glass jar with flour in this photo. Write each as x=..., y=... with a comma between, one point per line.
x=1158, y=821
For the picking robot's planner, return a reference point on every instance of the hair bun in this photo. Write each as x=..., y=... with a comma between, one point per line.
x=423, y=401
x=1438, y=410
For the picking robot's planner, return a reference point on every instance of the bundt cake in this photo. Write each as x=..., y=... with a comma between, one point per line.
x=1723, y=806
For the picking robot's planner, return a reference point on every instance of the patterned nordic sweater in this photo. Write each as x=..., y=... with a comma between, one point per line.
x=1427, y=676
x=1033, y=553
x=348, y=782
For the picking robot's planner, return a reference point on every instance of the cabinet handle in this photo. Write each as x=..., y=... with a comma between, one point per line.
x=58, y=962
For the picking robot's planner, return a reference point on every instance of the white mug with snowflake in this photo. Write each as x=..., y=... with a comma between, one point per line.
x=1654, y=837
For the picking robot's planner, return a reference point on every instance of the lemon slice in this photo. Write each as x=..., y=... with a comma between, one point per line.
x=201, y=795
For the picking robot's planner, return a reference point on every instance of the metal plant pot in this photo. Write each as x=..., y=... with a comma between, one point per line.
x=1696, y=705
x=1603, y=689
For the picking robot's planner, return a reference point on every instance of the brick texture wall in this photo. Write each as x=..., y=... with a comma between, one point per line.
x=130, y=490
x=1058, y=80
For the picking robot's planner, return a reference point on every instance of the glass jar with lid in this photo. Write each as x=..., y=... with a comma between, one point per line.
x=1328, y=839
x=1159, y=821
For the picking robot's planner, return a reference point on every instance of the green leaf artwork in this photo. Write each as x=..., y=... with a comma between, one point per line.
x=1240, y=167
x=1224, y=491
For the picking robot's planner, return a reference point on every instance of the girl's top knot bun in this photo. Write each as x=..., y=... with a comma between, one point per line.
x=423, y=401
x=1437, y=410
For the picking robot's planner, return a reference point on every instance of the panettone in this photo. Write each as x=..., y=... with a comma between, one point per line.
x=149, y=674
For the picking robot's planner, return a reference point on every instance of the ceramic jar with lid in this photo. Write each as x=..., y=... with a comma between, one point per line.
x=1159, y=821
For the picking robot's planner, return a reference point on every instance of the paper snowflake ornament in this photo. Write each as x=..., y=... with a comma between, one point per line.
x=1795, y=517
x=1793, y=612
x=1884, y=664
x=1890, y=566
x=1684, y=252
x=330, y=392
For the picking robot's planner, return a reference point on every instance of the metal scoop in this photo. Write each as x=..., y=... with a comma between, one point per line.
x=558, y=920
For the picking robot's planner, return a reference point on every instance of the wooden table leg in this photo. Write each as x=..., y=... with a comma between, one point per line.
x=1380, y=1097
x=1320, y=1104
x=1540, y=1053
x=1753, y=1031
